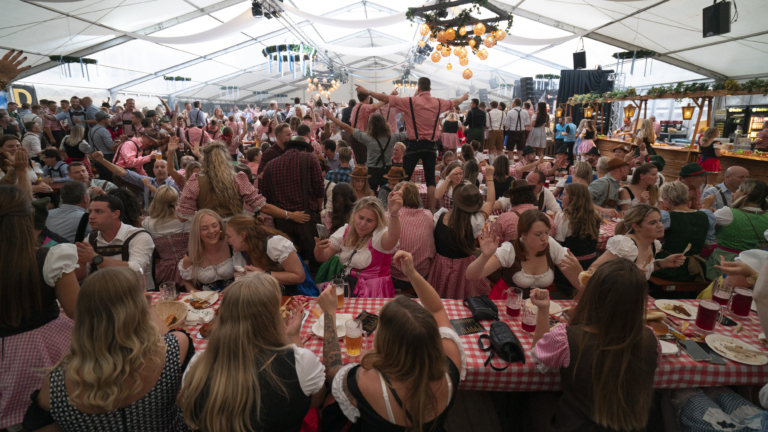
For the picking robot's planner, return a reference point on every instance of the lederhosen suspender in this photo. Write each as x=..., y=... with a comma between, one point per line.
x=80, y=234
x=722, y=195
x=413, y=117
x=108, y=251
x=540, y=205
x=382, y=150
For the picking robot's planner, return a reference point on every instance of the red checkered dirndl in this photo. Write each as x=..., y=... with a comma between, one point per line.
x=448, y=277
x=24, y=359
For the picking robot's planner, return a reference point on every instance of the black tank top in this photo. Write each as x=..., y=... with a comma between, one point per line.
x=72, y=150
x=443, y=245
x=580, y=246
x=450, y=127
x=589, y=135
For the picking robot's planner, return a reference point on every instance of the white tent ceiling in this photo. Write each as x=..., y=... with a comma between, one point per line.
x=97, y=29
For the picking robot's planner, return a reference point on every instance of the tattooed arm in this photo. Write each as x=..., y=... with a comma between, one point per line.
x=331, y=348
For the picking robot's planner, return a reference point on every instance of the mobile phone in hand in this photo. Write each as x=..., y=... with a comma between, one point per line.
x=321, y=231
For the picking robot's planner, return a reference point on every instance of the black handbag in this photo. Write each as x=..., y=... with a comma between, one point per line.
x=482, y=308
x=503, y=343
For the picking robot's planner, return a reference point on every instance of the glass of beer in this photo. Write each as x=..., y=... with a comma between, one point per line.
x=159, y=156
x=354, y=337
x=514, y=297
x=530, y=315
x=706, y=317
x=339, y=284
x=741, y=303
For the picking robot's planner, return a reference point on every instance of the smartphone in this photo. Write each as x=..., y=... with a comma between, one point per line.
x=320, y=231
x=694, y=350
x=715, y=357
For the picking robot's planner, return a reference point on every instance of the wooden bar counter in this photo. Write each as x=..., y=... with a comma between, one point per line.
x=676, y=157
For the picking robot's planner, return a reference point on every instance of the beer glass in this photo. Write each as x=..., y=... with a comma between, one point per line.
x=354, y=337
x=168, y=291
x=741, y=303
x=706, y=317
x=529, y=318
x=514, y=297
x=339, y=284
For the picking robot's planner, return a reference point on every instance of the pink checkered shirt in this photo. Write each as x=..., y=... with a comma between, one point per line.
x=505, y=227
x=417, y=237
x=426, y=109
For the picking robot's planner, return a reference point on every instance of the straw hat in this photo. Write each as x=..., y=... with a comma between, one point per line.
x=360, y=172
x=467, y=197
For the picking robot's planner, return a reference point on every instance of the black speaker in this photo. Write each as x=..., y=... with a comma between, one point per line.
x=717, y=19
x=579, y=60
x=493, y=83
x=526, y=89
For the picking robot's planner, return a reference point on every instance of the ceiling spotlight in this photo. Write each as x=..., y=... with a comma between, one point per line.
x=256, y=9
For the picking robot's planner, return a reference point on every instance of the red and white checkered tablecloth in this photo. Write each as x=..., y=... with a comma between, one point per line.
x=606, y=232
x=673, y=372
x=418, y=173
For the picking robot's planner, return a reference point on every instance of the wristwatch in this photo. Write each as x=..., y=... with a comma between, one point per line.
x=97, y=260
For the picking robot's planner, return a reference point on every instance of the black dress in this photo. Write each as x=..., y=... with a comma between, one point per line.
x=502, y=187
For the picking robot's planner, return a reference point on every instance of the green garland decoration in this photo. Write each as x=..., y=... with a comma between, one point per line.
x=464, y=18
x=308, y=50
x=73, y=59
x=639, y=54
x=547, y=76
x=229, y=88
x=404, y=83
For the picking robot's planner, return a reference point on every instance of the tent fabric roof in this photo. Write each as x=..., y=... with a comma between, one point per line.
x=96, y=29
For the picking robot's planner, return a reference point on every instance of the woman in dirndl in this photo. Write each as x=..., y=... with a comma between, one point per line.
x=709, y=153
x=455, y=233
x=169, y=232
x=365, y=247
x=450, y=136
x=77, y=148
x=34, y=335
x=538, y=136
x=587, y=137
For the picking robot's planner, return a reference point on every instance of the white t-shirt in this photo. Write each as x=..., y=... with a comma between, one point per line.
x=278, y=250
x=506, y=256
x=362, y=258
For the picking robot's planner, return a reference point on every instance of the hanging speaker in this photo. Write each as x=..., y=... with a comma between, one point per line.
x=717, y=19
x=471, y=89
x=579, y=60
x=493, y=83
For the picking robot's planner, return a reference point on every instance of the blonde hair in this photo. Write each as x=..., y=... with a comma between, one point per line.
x=113, y=338
x=248, y=333
x=634, y=216
x=675, y=192
x=76, y=135
x=399, y=144
x=368, y=203
x=647, y=129
x=163, y=207
x=196, y=250
x=217, y=167
x=602, y=165
x=583, y=170
x=451, y=117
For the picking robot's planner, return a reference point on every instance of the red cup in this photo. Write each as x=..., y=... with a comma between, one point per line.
x=721, y=297
x=741, y=303
x=706, y=317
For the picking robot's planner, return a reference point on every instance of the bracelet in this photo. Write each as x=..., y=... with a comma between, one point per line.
x=394, y=214
x=286, y=214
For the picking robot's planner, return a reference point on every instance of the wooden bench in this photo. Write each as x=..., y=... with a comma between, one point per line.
x=674, y=286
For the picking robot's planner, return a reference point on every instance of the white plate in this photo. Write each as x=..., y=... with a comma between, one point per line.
x=341, y=330
x=669, y=348
x=690, y=308
x=717, y=341
x=754, y=306
x=212, y=299
x=554, y=308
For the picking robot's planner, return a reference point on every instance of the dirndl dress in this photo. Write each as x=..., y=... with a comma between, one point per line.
x=171, y=249
x=537, y=138
x=450, y=141
x=585, y=145
x=447, y=276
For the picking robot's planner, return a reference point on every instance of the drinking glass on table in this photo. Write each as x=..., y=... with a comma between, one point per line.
x=741, y=302
x=339, y=284
x=353, y=340
x=721, y=293
x=168, y=291
x=529, y=319
x=514, y=297
x=706, y=316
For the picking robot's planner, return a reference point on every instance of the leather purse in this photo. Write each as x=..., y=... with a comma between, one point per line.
x=482, y=308
x=503, y=343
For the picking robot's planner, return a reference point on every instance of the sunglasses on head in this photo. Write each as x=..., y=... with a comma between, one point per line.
x=154, y=140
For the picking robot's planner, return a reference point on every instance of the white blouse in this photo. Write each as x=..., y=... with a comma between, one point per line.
x=206, y=275
x=478, y=221
x=351, y=411
x=61, y=259
x=625, y=247
x=563, y=227
x=362, y=258
x=506, y=256
x=32, y=174
x=278, y=250
x=168, y=227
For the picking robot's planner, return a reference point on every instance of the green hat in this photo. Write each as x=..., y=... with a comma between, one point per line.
x=692, y=170
x=41, y=212
x=164, y=120
x=658, y=161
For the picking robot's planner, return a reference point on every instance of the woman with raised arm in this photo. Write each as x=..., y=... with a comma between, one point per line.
x=417, y=361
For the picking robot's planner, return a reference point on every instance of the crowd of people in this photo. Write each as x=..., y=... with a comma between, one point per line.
x=103, y=204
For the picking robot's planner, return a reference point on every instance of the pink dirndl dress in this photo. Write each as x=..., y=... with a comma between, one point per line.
x=171, y=249
x=450, y=141
x=374, y=281
x=586, y=144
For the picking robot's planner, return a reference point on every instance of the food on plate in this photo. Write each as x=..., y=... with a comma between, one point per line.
x=677, y=309
x=199, y=304
x=170, y=319
x=658, y=327
x=655, y=316
x=205, y=330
